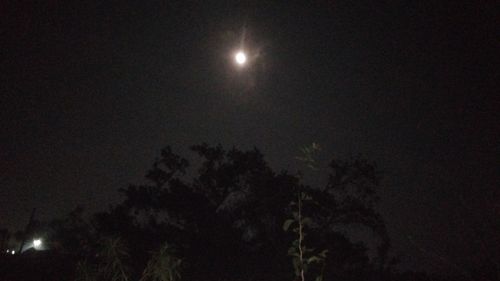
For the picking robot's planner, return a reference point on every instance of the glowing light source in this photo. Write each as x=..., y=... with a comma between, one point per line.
x=240, y=58
x=37, y=243
x=13, y=252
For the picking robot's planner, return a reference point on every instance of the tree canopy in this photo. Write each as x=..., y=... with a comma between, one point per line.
x=223, y=217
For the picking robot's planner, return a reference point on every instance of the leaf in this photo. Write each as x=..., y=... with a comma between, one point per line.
x=316, y=146
x=292, y=251
x=296, y=266
x=323, y=254
x=307, y=250
x=287, y=224
x=306, y=221
x=313, y=259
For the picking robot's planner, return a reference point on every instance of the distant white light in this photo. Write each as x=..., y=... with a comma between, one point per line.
x=240, y=58
x=8, y=251
x=13, y=252
x=37, y=243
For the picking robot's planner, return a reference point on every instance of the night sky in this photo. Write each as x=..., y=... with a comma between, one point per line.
x=90, y=93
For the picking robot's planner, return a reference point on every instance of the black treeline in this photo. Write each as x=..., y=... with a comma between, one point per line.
x=221, y=218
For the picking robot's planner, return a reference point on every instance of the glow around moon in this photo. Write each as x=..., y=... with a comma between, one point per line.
x=241, y=58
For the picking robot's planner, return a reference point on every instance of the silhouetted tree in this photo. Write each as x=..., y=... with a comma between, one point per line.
x=73, y=235
x=227, y=221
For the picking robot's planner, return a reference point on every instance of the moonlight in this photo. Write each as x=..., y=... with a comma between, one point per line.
x=240, y=58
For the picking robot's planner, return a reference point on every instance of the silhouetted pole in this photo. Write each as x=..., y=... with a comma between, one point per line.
x=27, y=229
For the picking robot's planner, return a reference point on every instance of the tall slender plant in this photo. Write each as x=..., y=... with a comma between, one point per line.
x=304, y=256
x=112, y=260
x=85, y=271
x=163, y=266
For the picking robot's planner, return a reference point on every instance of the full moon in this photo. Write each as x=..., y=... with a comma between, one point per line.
x=240, y=58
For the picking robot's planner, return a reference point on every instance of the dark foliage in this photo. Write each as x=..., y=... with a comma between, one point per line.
x=226, y=223
x=220, y=219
